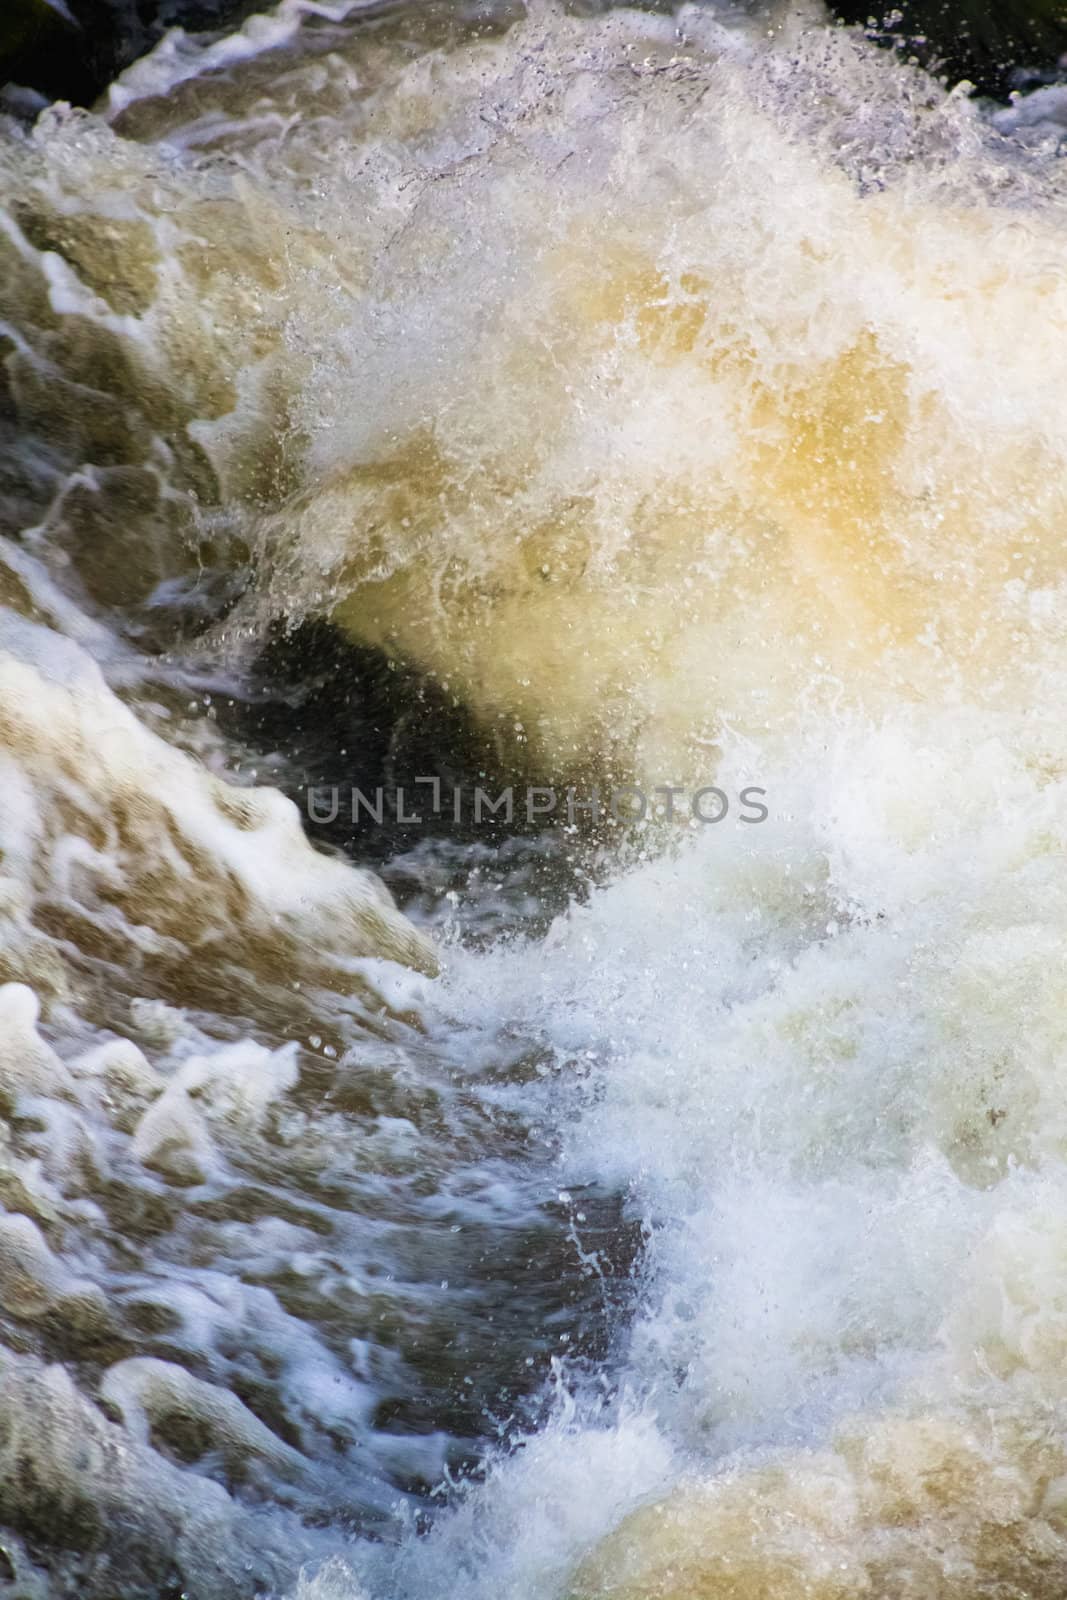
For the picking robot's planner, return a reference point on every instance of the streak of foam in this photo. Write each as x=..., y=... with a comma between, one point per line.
x=180, y=56
x=121, y=850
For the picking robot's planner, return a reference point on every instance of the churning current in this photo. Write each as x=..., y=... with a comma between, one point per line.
x=628, y=1207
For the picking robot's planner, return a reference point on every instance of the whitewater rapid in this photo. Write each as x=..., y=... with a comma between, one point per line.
x=662, y=1211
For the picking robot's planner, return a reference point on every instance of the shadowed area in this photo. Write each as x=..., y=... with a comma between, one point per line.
x=993, y=43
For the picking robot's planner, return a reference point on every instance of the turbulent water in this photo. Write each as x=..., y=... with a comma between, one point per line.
x=660, y=1209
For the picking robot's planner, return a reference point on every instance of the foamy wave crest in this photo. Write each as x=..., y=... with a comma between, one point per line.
x=120, y=853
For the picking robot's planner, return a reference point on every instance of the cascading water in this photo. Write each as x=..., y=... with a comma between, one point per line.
x=643, y=1209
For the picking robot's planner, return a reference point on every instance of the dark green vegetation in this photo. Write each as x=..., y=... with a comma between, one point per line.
x=990, y=42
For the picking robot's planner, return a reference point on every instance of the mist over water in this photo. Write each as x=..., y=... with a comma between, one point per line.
x=664, y=1210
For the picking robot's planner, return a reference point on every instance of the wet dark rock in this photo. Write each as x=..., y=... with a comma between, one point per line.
x=995, y=44
x=72, y=49
x=349, y=716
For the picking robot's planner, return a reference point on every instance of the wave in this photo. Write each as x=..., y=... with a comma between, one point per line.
x=682, y=397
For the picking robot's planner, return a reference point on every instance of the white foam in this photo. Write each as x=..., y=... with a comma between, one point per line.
x=180, y=56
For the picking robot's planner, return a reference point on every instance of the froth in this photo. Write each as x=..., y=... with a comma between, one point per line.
x=675, y=395
x=822, y=1058
x=122, y=850
x=751, y=289
x=768, y=469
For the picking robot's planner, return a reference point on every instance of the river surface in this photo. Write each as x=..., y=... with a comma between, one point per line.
x=533, y=1206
